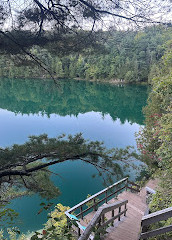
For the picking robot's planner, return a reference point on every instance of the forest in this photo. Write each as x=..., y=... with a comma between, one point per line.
x=128, y=56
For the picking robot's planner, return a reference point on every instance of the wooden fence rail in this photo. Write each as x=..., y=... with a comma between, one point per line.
x=153, y=218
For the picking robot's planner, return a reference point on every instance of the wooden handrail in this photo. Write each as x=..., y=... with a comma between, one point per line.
x=101, y=211
x=153, y=218
x=93, y=197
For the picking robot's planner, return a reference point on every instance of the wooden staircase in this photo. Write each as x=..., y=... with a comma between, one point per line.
x=129, y=228
x=120, y=216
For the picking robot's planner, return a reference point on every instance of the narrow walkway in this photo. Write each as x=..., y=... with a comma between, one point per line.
x=129, y=227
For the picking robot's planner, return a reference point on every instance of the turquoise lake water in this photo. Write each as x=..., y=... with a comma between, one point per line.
x=103, y=112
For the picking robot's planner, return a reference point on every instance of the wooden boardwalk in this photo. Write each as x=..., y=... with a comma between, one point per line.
x=129, y=227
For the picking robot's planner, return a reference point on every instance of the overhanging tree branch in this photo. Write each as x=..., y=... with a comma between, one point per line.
x=19, y=159
x=28, y=171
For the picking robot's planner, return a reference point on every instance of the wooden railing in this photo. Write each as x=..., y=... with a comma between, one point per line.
x=98, y=222
x=132, y=186
x=93, y=202
x=153, y=218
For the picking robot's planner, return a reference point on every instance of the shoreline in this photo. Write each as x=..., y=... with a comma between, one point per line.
x=103, y=81
x=110, y=81
x=113, y=81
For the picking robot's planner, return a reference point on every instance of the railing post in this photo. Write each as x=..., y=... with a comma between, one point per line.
x=143, y=229
x=112, y=217
x=95, y=206
x=125, y=209
x=119, y=218
x=79, y=232
x=106, y=197
x=67, y=222
x=126, y=184
x=82, y=216
x=115, y=188
x=103, y=218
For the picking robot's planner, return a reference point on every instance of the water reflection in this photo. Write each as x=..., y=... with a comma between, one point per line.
x=72, y=97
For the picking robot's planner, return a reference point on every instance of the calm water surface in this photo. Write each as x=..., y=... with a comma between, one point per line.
x=101, y=112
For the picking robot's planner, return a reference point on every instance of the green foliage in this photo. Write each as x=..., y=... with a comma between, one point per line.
x=56, y=227
x=7, y=215
x=91, y=203
x=127, y=56
x=155, y=140
x=40, y=183
x=13, y=234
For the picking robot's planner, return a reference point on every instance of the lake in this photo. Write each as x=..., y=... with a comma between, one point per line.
x=108, y=113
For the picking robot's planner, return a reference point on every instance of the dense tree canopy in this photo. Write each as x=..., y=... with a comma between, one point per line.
x=124, y=55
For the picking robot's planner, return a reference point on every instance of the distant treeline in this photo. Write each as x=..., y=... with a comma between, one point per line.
x=127, y=56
